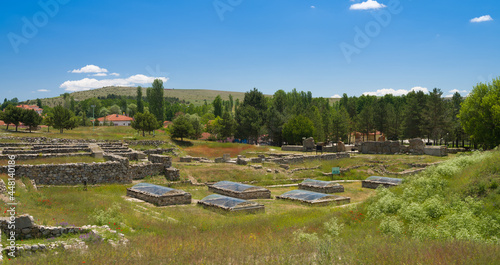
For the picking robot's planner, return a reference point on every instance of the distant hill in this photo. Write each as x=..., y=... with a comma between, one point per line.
x=195, y=96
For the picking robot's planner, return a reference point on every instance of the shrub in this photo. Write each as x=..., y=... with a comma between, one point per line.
x=391, y=225
x=110, y=215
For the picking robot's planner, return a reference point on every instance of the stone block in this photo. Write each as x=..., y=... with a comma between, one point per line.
x=24, y=221
x=172, y=174
x=308, y=143
x=340, y=146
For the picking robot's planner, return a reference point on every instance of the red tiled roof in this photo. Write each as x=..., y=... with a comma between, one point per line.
x=33, y=107
x=116, y=117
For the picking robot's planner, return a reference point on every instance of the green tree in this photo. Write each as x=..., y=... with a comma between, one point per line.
x=231, y=102
x=156, y=104
x=197, y=126
x=181, y=127
x=103, y=112
x=132, y=109
x=39, y=102
x=14, y=115
x=365, y=120
x=297, y=128
x=227, y=125
x=413, y=120
x=480, y=114
x=62, y=118
x=340, y=123
x=276, y=117
x=115, y=109
x=31, y=118
x=217, y=103
x=140, y=103
x=49, y=120
x=435, y=122
x=145, y=122
x=456, y=127
x=250, y=115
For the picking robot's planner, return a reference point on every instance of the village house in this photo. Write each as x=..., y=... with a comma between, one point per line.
x=33, y=107
x=116, y=120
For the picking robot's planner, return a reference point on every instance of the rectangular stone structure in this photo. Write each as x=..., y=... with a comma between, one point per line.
x=159, y=195
x=314, y=198
x=230, y=204
x=374, y=181
x=239, y=190
x=321, y=186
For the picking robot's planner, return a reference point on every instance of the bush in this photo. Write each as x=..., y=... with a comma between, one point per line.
x=104, y=217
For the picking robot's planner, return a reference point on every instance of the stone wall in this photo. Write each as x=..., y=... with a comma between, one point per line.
x=161, y=159
x=436, y=150
x=145, y=142
x=46, y=151
x=293, y=148
x=113, y=171
x=159, y=151
x=172, y=174
x=387, y=147
x=374, y=184
x=25, y=228
x=140, y=171
x=33, y=156
x=177, y=198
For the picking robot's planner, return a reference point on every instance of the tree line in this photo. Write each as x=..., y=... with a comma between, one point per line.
x=288, y=117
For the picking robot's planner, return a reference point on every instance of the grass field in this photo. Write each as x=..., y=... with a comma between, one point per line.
x=98, y=133
x=364, y=232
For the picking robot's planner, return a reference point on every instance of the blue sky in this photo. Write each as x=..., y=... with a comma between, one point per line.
x=50, y=47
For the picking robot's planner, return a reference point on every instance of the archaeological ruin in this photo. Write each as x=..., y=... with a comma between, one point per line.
x=230, y=204
x=239, y=190
x=374, y=181
x=159, y=195
x=314, y=198
x=321, y=186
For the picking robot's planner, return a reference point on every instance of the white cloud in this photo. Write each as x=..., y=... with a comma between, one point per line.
x=89, y=68
x=100, y=74
x=367, y=5
x=419, y=88
x=336, y=96
x=399, y=92
x=115, y=74
x=313, y=7
x=43, y=90
x=456, y=90
x=90, y=83
x=481, y=19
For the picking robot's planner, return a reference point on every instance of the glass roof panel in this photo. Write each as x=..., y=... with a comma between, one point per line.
x=234, y=186
x=385, y=179
x=305, y=195
x=320, y=183
x=152, y=188
x=223, y=201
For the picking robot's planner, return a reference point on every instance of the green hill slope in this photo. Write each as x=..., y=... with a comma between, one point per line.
x=195, y=96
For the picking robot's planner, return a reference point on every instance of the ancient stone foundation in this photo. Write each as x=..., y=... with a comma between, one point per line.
x=25, y=228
